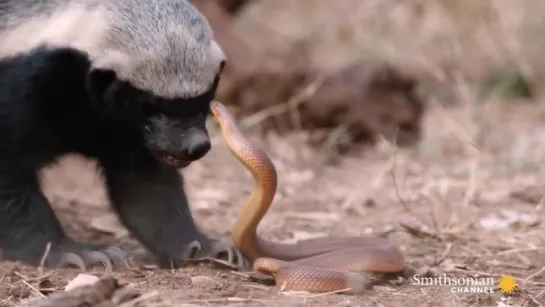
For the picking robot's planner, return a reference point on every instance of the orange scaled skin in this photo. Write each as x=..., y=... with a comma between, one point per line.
x=316, y=265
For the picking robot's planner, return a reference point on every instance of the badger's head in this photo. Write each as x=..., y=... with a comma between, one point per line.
x=158, y=61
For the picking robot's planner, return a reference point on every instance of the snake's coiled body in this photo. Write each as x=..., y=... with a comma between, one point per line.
x=316, y=265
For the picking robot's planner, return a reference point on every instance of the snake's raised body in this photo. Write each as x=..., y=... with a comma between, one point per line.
x=316, y=265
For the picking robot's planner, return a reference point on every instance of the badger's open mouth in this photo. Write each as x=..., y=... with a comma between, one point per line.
x=174, y=162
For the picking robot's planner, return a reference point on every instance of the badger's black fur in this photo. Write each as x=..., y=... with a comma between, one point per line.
x=127, y=82
x=52, y=103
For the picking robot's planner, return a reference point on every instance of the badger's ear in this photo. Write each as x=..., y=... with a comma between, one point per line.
x=100, y=83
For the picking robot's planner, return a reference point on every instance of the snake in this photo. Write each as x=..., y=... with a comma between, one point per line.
x=329, y=264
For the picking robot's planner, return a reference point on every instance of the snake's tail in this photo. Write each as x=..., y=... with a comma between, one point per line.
x=289, y=276
x=320, y=280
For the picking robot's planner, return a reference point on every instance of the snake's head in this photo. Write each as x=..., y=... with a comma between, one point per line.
x=226, y=120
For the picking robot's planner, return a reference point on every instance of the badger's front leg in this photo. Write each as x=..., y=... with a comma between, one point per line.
x=28, y=225
x=151, y=202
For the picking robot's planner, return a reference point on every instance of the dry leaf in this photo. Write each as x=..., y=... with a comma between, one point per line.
x=508, y=218
x=314, y=216
x=81, y=280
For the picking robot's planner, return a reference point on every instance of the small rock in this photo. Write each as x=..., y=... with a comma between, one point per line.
x=206, y=282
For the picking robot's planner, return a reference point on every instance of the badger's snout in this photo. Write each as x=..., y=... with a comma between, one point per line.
x=196, y=146
x=176, y=144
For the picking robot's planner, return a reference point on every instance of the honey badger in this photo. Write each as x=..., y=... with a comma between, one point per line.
x=125, y=82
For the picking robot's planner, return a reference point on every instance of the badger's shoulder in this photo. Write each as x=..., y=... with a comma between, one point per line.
x=26, y=25
x=162, y=46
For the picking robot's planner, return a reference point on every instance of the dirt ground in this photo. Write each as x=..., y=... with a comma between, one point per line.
x=480, y=214
x=467, y=202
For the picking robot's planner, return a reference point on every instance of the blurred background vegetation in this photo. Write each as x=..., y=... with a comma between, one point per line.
x=373, y=69
x=458, y=83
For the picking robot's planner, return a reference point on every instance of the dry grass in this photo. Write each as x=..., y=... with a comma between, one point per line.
x=470, y=196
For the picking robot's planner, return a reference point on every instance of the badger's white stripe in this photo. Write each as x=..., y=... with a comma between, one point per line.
x=163, y=46
x=72, y=26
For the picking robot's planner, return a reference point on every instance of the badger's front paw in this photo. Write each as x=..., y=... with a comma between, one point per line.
x=67, y=253
x=215, y=249
x=84, y=255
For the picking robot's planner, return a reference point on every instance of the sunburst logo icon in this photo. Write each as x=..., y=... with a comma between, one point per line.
x=508, y=284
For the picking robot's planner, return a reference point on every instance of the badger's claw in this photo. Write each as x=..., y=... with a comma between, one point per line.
x=83, y=256
x=71, y=259
x=117, y=255
x=192, y=249
x=94, y=257
x=234, y=256
x=217, y=250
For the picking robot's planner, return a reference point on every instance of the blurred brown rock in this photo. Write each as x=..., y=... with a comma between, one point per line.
x=233, y=6
x=367, y=101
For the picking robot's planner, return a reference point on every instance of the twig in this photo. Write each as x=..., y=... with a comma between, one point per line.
x=540, y=294
x=419, y=231
x=329, y=293
x=292, y=103
x=394, y=178
x=36, y=291
x=519, y=250
x=472, y=187
x=44, y=257
x=535, y=274
x=535, y=301
x=88, y=295
x=229, y=299
x=445, y=254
